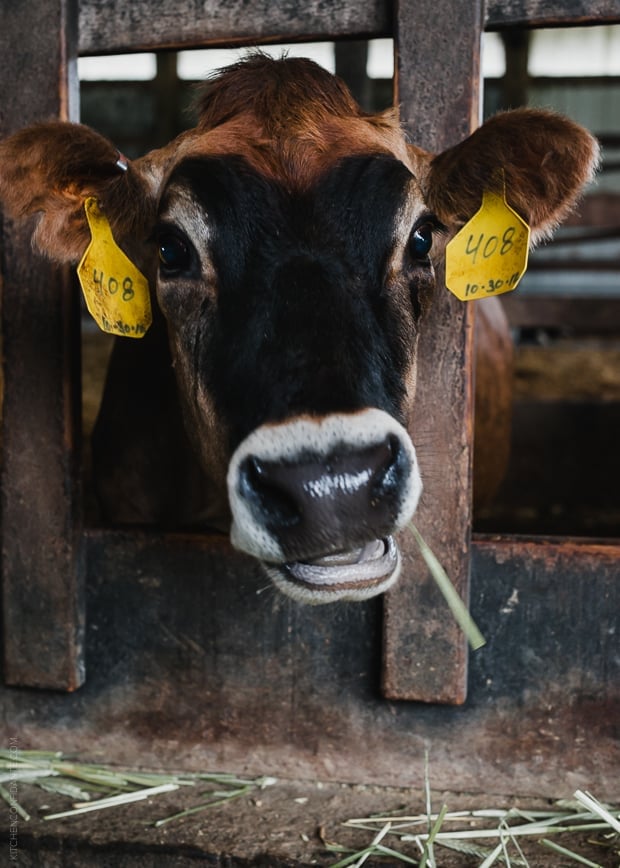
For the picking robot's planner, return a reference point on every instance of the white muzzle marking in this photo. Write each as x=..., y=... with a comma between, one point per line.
x=357, y=572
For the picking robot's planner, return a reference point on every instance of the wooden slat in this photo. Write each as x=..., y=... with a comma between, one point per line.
x=550, y=13
x=43, y=603
x=575, y=315
x=438, y=89
x=108, y=26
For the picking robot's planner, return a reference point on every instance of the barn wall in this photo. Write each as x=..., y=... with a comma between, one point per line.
x=196, y=664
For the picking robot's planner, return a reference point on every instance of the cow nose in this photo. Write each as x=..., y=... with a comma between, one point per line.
x=307, y=489
x=320, y=504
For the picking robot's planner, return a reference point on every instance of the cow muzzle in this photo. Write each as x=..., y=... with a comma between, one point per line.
x=317, y=501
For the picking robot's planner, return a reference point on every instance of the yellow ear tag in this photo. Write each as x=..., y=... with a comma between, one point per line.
x=116, y=292
x=488, y=256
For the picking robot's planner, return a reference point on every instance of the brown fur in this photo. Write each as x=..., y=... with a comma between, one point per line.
x=301, y=120
x=288, y=95
x=543, y=161
x=51, y=169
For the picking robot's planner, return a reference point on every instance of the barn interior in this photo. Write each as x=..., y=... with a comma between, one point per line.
x=325, y=702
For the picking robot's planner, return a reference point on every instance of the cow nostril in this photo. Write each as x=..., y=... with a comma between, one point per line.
x=394, y=467
x=257, y=486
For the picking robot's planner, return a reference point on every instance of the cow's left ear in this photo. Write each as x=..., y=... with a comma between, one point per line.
x=50, y=169
x=541, y=159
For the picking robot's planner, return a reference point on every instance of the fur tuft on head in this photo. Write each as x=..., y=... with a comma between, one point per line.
x=291, y=90
x=291, y=118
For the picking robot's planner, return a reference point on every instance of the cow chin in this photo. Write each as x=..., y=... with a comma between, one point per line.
x=317, y=501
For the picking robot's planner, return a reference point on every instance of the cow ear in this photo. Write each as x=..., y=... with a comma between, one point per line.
x=542, y=160
x=48, y=170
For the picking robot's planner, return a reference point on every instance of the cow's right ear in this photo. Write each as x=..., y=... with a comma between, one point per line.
x=50, y=169
x=540, y=159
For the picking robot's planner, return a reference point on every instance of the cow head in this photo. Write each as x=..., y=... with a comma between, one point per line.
x=290, y=241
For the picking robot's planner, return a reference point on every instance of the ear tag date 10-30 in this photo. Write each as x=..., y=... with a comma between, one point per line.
x=116, y=292
x=488, y=256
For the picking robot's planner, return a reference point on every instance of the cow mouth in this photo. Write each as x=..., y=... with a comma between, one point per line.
x=356, y=574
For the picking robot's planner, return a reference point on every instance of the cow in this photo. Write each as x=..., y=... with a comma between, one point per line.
x=290, y=242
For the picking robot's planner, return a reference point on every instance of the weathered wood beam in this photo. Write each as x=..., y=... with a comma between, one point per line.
x=43, y=600
x=550, y=13
x=108, y=26
x=438, y=89
x=111, y=26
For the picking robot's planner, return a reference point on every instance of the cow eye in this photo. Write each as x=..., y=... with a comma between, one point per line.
x=421, y=241
x=174, y=253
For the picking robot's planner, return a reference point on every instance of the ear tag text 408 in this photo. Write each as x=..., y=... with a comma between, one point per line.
x=116, y=292
x=488, y=256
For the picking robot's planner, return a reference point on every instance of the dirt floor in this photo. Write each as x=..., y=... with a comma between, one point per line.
x=290, y=823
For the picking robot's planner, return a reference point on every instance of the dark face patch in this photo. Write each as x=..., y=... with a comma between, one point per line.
x=314, y=303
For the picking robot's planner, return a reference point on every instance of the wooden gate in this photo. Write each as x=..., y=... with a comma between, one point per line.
x=168, y=630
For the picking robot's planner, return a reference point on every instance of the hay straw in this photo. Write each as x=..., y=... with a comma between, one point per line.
x=113, y=801
x=457, y=606
x=512, y=824
x=428, y=856
x=220, y=799
x=595, y=807
x=493, y=856
x=14, y=804
x=551, y=845
x=357, y=859
x=52, y=772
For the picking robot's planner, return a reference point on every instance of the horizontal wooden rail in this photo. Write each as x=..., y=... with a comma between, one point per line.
x=109, y=26
x=114, y=26
x=547, y=549
x=550, y=13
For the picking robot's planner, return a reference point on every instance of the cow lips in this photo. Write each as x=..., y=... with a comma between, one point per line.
x=362, y=566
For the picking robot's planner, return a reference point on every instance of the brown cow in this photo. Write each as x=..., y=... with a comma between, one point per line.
x=290, y=242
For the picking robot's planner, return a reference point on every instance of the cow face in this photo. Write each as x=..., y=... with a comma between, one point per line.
x=290, y=243
x=293, y=320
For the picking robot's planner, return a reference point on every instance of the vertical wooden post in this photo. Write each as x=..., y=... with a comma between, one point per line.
x=437, y=87
x=43, y=601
